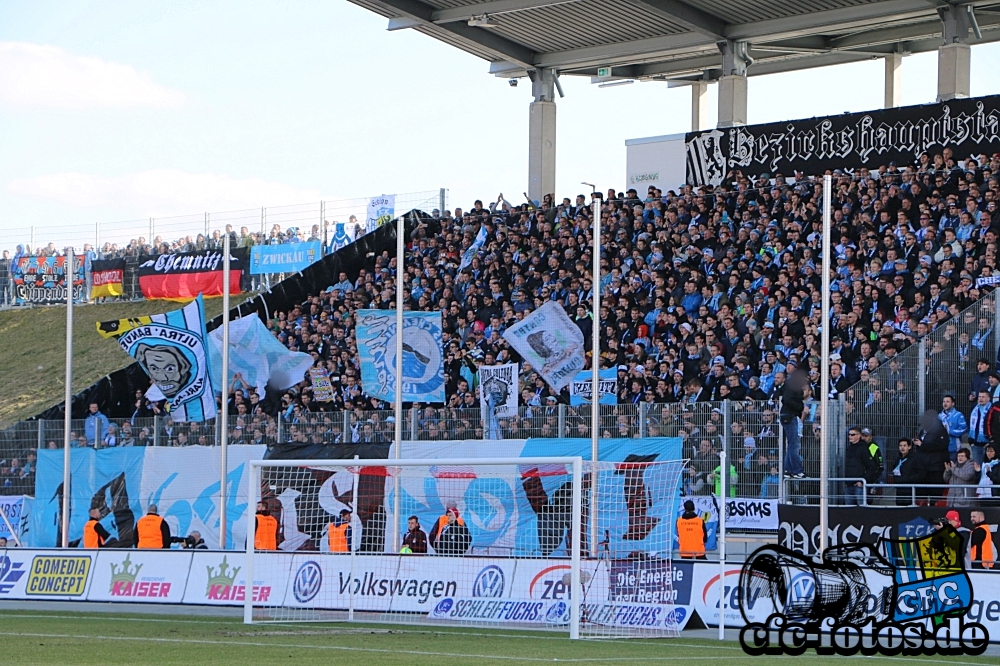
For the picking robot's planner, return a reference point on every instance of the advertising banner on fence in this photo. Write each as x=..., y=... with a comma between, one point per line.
x=846, y=141
x=183, y=275
x=12, y=508
x=285, y=258
x=42, y=280
x=151, y=576
x=751, y=514
x=217, y=579
x=45, y=575
x=107, y=278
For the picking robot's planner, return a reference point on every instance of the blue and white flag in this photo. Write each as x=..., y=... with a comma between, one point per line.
x=171, y=349
x=498, y=396
x=582, y=387
x=551, y=343
x=380, y=210
x=342, y=237
x=423, y=362
x=284, y=258
x=257, y=356
x=471, y=251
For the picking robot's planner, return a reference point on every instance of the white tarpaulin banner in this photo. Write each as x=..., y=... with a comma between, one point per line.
x=754, y=514
x=257, y=356
x=551, y=343
x=13, y=515
x=381, y=209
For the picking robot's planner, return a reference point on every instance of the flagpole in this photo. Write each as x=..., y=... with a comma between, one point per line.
x=595, y=368
x=68, y=404
x=398, y=402
x=824, y=392
x=224, y=416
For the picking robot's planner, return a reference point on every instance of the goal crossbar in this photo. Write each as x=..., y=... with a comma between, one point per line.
x=574, y=462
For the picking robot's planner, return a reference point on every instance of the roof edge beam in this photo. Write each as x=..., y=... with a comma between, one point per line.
x=491, y=8
x=690, y=17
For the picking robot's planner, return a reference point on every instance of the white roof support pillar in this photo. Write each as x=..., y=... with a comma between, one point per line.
x=542, y=135
x=893, y=80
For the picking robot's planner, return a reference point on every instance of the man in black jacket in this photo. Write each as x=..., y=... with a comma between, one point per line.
x=909, y=471
x=792, y=409
x=934, y=446
x=858, y=464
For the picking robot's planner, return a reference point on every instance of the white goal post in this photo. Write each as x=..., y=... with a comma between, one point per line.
x=484, y=542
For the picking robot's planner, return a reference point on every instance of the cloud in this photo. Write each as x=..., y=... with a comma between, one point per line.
x=33, y=75
x=159, y=192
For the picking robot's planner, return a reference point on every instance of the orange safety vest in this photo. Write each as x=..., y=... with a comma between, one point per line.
x=148, y=528
x=987, y=554
x=338, y=538
x=691, y=536
x=91, y=539
x=266, y=536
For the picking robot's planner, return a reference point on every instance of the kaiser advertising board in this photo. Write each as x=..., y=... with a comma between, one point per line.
x=152, y=576
x=45, y=574
x=218, y=578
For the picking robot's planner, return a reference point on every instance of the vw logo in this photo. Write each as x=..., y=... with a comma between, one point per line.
x=308, y=580
x=489, y=582
x=802, y=590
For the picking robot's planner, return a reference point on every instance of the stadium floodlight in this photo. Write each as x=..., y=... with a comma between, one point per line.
x=513, y=555
x=484, y=21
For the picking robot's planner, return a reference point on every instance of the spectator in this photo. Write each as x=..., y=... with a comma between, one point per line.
x=954, y=422
x=979, y=425
x=792, y=412
x=910, y=471
x=981, y=380
x=960, y=474
x=415, y=540
x=95, y=425
x=771, y=485
x=111, y=438
x=858, y=464
x=989, y=475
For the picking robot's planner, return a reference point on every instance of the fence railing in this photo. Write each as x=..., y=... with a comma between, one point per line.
x=111, y=239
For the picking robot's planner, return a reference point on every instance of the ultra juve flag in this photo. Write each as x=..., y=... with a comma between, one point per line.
x=42, y=280
x=847, y=141
x=380, y=210
x=106, y=278
x=423, y=363
x=171, y=349
x=258, y=356
x=607, y=386
x=497, y=395
x=479, y=241
x=286, y=258
x=185, y=275
x=551, y=343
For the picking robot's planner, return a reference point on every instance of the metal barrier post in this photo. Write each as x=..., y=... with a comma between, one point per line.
x=922, y=376
x=156, y=430
x=278, y=435
x=781, y=461
x=562, y=420
x=413, y=424
x=41, y=434
x=642, y=418
x=442, y=200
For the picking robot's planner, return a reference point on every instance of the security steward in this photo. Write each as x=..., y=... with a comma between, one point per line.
x=340, y=533
x=151, y=531
x=94, y=534
x=981, y=549
x=691, y=534
x=265, y=535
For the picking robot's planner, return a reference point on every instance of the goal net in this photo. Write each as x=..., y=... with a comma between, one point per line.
x=473, y=542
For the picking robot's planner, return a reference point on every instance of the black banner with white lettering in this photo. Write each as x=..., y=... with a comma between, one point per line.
x=848, y=141
x=799, y=524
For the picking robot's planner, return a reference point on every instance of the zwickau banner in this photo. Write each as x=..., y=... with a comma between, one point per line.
x=847, y=141
x=582, y=386
x=423, y=362
x=288, y=258
x=184, y=275
x=171, y=349
x=107, y=278
x=380, y=210
x=42, y=280
x=551, y=343
x=497, y=395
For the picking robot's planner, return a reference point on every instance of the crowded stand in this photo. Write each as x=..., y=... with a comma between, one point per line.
x=709, y=295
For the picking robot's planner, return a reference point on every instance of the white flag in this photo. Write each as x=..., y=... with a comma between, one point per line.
x=551, y=343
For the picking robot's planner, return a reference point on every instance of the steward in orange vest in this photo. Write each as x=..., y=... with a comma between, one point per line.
x=94, y=534
x=981, y=549
x=151, y=531
x=340, y=533
x=265, y=535
x=691, y=534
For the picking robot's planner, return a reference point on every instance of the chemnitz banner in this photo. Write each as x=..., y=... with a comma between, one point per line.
x=184, y=275
x=848, y=141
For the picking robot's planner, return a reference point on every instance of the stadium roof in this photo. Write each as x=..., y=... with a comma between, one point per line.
x=681, y=40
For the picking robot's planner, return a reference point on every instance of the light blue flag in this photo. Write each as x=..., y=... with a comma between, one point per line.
x=581, y=388
x=478, y=243
x=171, y=349
x=258, y=356
x=423, y=361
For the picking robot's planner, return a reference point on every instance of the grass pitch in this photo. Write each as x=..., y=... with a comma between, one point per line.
x=28, y=637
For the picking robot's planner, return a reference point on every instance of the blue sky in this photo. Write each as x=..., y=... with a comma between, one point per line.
x=122, y=111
